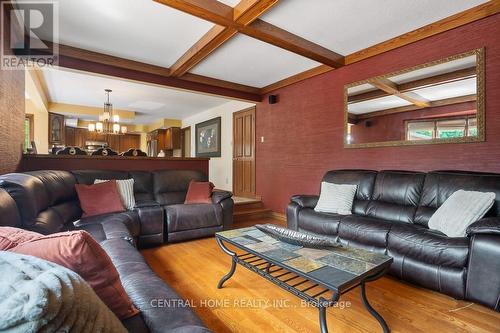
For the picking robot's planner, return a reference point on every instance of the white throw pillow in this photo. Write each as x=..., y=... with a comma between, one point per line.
x=460, y=210
x=126, y=190
x=336, y=198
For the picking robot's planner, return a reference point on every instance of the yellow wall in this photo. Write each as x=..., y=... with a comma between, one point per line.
x=40, y=126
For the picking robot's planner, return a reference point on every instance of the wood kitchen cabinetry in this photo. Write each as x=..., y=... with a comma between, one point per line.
x=77, y=137
x=164, y=139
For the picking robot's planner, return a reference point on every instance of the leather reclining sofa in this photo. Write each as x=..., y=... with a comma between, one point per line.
x=46, y=202
x=391, y=211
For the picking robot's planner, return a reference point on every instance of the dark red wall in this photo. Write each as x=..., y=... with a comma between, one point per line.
x=392, y=127
x=304, y=131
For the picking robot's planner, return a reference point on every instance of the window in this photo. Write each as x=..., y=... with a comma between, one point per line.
x=444, y=128
x=28, y=132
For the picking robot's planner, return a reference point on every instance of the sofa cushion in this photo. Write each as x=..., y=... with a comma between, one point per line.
x=320, y=223
x=98, y=199
x=11, y=237
x=143, y=185
x=460, y=210
x=125, y=189
x=170, y=186
x=371, y=232
x=336, y=198
x=439, y=185
x=60, y=185
x=199, y=192
x=396, y=195
x=187, y=217
x=29, y=194
x=430, y=246
x=364, y=179
x=78, y=251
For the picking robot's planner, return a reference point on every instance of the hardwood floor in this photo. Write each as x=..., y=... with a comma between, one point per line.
x=249, y=303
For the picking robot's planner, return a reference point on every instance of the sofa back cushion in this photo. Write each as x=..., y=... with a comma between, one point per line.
x=143, y=185
x=29, y=194
x=45, y=199
x=170, y=186
x=9, y=214
x=60, y=188
x=364, y=179
x=396, y=195
x=439, y=185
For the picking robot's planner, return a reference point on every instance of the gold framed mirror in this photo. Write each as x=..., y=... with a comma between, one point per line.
x=434, y=103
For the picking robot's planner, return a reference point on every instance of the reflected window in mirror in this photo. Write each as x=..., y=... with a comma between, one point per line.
x=437, y=102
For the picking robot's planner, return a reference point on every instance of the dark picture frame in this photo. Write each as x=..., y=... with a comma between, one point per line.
x=56, y=129
x=208, y=138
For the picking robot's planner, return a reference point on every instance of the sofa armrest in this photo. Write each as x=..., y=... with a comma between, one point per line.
x=219, y=196
x=489, y=225
x=152, y=226
x=305, y=201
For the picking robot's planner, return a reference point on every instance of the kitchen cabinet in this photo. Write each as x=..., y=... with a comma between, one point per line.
x=173, y=138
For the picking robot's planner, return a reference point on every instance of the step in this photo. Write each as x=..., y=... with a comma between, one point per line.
x=251, y=213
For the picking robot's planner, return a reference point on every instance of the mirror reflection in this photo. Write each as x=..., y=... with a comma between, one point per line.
x=431, y=103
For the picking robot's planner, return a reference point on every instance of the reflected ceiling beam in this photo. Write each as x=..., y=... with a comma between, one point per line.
x=468, y=16
x=248, y=24
x=94, y=62
x=243, y=13
x=392, y=89
x=458, y=75
x=441, y=102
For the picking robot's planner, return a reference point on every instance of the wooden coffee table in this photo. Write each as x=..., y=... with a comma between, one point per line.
x=318, y=276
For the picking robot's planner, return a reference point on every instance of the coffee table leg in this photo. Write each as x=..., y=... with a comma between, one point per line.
x=233, y=263
x=322, y=319
x=372, y=310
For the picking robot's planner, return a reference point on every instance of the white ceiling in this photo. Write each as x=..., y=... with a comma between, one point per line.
x=146, y=31
x=382, y=103
x=249, y=61
x=347, y=26
x=140, y=30
x=150, y=102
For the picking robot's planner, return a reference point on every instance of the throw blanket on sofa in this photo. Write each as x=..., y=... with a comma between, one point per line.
x=40, y=296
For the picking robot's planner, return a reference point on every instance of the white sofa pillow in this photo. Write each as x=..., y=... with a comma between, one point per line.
x=126, y=190
x=460, y=210
x=336, y=198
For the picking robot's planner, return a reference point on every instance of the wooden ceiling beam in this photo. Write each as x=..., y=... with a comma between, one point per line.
x=209, y=10
x=457, y=75
x=276, y=36
x=214, y=38
x=244, y=20
x=244, y=13
x=392, y=89
x=468, y=16
x=85, y=60
x=441, y=102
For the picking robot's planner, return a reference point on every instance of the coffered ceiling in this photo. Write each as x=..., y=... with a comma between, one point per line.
x=243, y=49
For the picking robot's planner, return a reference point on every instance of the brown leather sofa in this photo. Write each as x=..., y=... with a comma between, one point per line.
x=46, y=202
x=390, y=215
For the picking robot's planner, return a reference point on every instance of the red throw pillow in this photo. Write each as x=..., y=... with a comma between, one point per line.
x=99, y=198
x=11, y=237
x=199, y=192
x=79, y=252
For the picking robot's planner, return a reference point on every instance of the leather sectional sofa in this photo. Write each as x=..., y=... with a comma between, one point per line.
x=46, y=202
x=390, y=215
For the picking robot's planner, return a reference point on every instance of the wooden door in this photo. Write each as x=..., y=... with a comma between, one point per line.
x=244, y=153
